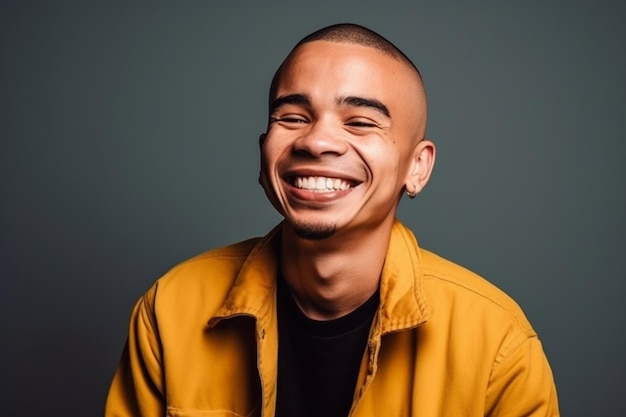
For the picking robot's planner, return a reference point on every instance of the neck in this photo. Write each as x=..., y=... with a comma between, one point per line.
x=330, y=278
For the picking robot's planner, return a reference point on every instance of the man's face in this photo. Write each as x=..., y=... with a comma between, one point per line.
x=344, y=123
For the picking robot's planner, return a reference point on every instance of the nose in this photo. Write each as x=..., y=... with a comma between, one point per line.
x=322, y=137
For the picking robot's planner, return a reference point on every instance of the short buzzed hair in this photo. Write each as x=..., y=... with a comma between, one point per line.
x=360, y=35
x=350, y=33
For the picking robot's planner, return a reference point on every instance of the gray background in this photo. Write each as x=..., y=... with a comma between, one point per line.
x=129, y=143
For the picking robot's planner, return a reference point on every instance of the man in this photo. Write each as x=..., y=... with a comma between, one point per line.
x=337, y=311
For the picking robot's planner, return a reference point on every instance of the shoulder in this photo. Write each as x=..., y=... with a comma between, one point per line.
x=211, y=262
x=453, y=289
x=204, y=279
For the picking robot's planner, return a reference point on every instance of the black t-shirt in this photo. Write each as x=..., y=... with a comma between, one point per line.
x=318, y=361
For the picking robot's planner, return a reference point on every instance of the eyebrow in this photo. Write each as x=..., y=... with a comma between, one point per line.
x=365, y=102
x=354, y=101
x=300, y=99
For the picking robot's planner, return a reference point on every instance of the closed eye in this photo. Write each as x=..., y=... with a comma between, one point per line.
x=289, y=119
x=362, y=123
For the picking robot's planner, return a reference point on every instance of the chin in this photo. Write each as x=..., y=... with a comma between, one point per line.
x=317, y=231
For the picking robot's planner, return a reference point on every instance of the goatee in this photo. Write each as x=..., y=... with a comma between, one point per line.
x=314, y=231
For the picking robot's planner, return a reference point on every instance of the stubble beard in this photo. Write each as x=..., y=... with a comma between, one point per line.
x=318, y=231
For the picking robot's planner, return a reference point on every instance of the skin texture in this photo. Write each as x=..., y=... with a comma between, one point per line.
x=356, y=117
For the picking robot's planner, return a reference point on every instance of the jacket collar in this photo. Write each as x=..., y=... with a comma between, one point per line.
x=402, y=304
x=402, y=301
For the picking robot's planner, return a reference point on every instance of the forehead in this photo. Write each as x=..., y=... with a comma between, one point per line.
x=344, y=68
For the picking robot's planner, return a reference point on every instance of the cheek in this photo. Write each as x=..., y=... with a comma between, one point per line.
x=382, y=159
x=271, y=159
x=273, y=146
x=269, y=152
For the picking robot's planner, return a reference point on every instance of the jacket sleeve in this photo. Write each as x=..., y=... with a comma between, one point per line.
x=137, y=386
x=522, y=384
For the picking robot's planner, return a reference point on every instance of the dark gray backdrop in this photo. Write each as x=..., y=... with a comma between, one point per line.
x=129, y=143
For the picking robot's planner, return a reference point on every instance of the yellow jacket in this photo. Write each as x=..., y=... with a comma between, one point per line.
x=444, y=343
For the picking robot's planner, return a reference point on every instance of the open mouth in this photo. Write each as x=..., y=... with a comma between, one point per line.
x=320, y=184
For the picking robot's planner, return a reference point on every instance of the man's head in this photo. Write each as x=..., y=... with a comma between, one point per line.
x=345, y=136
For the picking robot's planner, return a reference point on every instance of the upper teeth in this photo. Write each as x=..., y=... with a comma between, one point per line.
x=321, y=183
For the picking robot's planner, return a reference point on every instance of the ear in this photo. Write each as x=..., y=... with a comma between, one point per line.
x=262, y=137
x=422, y=163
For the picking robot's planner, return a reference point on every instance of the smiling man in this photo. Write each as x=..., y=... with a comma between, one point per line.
x=337, y=311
